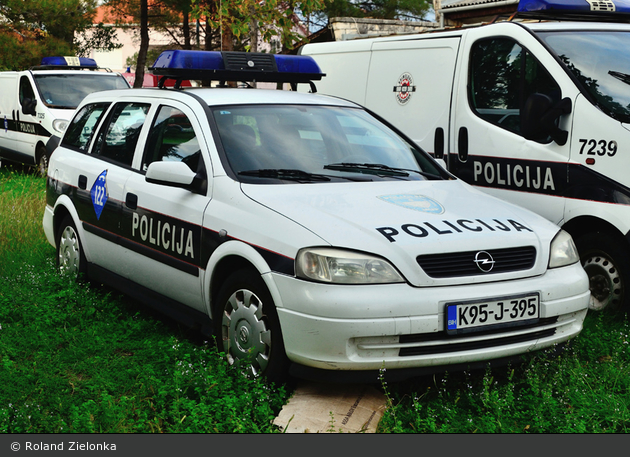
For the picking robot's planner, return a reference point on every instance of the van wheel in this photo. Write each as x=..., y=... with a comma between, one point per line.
x=71, y=260
x=42, y=161
x=247, y=327
x=606, y=259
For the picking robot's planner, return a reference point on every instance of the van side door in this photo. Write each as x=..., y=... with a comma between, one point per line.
x=27, y=122
x=502, y=76
x=8, y=82
x=410, y=84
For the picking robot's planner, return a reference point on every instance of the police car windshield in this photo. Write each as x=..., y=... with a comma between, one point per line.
x=65, y=91
x=597, y=59
x=310, y=138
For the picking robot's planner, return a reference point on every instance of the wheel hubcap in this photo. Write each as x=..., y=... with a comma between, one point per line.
x=604, y=282
x=246, y=338
x=69, y=252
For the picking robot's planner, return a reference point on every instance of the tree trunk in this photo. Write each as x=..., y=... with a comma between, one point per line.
x=144, y=43
x=186, y=30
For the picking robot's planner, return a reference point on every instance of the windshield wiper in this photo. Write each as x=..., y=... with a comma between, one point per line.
x=620, y=76
x=288, y=174
x=377, y=168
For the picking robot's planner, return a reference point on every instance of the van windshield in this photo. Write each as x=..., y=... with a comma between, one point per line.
x=600, y=60
x=66, y=91
x=306, y=143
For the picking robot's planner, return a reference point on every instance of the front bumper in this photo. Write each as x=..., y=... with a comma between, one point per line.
x=335, y=327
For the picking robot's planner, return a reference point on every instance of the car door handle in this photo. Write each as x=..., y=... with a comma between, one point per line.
x=462, y=144
x=82, y=182
x=131, y=200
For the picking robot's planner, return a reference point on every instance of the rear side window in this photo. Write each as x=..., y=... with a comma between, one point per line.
x=80, y=131
x=117, y=140
x=503, y=74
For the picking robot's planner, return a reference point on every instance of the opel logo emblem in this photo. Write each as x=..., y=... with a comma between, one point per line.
x=484, y=261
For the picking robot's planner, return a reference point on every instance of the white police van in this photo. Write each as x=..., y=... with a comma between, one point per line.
x=307, y=234
x=36, y=104
x=534, y=112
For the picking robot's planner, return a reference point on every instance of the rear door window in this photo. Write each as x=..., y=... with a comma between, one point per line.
x=117, y=140
x=81, y=128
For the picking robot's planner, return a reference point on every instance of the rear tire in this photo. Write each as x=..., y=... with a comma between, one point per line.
x=247, y=327
x=606, y=259
x=41, y=157
x=71, y=260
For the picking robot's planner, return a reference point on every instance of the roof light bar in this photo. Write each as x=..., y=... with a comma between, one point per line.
x=236, y=66
x=594, y=10
x=68, y=62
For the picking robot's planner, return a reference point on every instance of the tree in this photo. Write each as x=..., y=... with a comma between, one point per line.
x=411, y=10
x=57, y=18
x=237, y=18
x=31, y=29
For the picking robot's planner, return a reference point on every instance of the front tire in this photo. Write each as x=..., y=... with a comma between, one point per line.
x=606, y=259
x=71, y=260
x=247, y=327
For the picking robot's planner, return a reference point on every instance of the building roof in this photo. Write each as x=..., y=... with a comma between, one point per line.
x=480, y=3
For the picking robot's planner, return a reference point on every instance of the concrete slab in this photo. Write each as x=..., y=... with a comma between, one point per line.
x=332, y=408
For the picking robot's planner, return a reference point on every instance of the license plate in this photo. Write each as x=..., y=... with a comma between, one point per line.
x=480, y=315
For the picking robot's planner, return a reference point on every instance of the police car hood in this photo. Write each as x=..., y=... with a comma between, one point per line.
x=403, y=220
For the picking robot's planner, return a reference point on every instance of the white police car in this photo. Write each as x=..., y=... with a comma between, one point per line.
x=309, y=235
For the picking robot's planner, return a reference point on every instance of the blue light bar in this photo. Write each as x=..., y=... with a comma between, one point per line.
x=236, y=66
x=575, y=9
x=71, y=62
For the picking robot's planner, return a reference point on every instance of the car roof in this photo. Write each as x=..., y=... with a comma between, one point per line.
x=221, y=96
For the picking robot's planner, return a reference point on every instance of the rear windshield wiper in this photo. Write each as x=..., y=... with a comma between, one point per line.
x=377, y=168
x=288, y=174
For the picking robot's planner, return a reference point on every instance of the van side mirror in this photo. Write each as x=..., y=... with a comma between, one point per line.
x=28, y=106
x=539, y=119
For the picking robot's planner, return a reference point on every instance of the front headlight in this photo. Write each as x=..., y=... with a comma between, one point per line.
x=339, y=266
x=60, y=125
x=563, y=251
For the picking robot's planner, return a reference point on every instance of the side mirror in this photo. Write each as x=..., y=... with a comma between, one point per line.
x=28, y=106
x=176, y=174
x=539, y=119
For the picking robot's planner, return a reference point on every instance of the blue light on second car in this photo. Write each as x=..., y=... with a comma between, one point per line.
x=58, y=61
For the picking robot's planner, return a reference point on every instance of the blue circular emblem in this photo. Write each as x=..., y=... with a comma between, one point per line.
x=414, y=202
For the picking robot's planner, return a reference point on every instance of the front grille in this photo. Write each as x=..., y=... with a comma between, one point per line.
x=456, y=264
x=421, y=344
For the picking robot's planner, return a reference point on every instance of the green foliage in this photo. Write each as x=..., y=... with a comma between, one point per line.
x=32, y=29
x=412, y=10
x=273, y=17
x=98, y=37
x=78, y=358
x=584, y=389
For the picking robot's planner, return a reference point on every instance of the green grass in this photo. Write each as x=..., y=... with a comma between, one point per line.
x=585, y=389
x=80, y=358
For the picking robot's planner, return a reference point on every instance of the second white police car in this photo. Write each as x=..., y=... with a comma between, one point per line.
x=310, y=236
